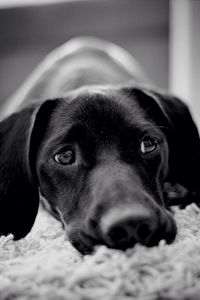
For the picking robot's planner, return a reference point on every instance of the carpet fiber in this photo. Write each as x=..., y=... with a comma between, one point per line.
x=45, y=266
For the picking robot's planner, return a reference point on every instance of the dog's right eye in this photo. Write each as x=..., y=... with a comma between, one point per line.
x=149, y=144
x=65, y=157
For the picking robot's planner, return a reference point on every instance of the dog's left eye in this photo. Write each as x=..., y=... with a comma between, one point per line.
x=149, y=144
x=66, y=157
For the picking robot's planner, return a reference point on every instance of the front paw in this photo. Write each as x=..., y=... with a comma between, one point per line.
x=177, y=194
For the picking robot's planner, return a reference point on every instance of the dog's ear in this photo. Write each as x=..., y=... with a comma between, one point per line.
x=184, y=142
x=173, y=117
x=19, y=196
x=182, y=136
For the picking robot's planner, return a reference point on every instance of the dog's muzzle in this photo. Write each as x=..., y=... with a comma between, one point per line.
x=122, y=213
x=124, y=226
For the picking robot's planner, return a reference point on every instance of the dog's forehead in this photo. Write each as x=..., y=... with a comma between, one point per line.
x=103, y=105
x=106, y=113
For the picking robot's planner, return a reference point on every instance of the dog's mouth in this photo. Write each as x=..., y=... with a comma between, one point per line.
x=85, y=243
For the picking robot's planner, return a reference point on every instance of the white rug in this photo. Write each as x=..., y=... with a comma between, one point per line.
x=45, y=266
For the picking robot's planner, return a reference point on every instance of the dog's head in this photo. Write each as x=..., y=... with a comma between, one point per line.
x=99, y=157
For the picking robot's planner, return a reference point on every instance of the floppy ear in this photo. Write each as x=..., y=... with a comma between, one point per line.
x=19, y=195
x=184, y=142
x=174, y=119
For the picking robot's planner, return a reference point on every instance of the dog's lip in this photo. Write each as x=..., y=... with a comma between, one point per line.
x=167, y=230
x=84, y=243
x=88, y=238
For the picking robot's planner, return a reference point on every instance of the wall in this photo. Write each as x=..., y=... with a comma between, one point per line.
x=185, y=52
x=28, y=33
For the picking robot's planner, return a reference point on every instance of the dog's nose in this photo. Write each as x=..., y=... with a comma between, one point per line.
x=122, y=228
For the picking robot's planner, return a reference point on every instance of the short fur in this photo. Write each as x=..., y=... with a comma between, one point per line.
x=104, y=124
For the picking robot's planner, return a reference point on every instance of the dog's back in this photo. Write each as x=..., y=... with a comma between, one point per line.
x=80, y=62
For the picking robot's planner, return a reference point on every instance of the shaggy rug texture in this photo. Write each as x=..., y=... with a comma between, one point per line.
x=45, y=266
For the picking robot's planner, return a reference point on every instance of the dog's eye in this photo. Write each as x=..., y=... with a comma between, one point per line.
x=65, y=157
x=149, y=144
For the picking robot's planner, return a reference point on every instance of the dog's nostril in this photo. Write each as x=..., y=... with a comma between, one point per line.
x=143, y=232
x=129, y=231
x=118, y=234
x=123, y=228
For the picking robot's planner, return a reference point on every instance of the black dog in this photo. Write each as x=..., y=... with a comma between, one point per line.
x=104, y=157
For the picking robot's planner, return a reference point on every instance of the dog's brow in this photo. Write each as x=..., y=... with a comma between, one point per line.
x=79, y=131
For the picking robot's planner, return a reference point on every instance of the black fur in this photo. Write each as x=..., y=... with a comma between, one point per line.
x=105, y=128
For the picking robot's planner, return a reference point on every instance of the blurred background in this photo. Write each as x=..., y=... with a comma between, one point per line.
x=163, y=35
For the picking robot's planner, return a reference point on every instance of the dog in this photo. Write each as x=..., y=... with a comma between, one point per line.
x=106, y=153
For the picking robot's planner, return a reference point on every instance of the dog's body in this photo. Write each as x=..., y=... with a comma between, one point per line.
x=80, y=62
x=105, y=156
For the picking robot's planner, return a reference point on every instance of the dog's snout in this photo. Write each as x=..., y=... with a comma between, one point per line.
x=124, y=214
x=122, y=228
